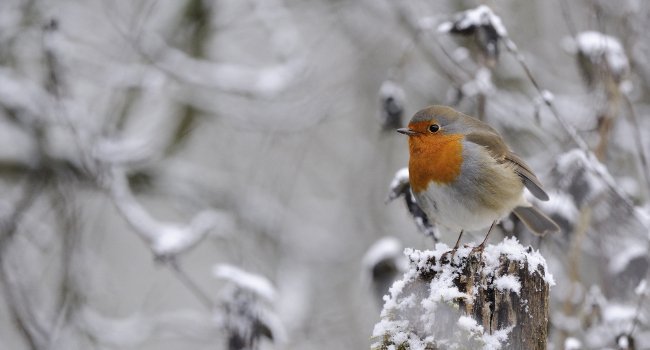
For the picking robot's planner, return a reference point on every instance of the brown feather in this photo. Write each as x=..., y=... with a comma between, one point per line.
x=499, y=150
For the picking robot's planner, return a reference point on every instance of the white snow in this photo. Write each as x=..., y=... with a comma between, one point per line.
x=479, y=16
x=496, y=340
x=513, y=250
x=396, y=187
x=618, y=313
x=630, y=251
x=125, y=150
x=255, y=283
x=401, y=177
x=482, y=83
x=385, y=248
x=166, y=239
x=597, y=177
x=390, y=88
x=445, y=27
x=598, y=46
x=419, y=309
x=572, y=344
x=559, y=203
x=469, y=324
x=265, y=81
x=508, y=283
x=23, y=94
x=623, y=342
x=547, y=96
x=641, y=288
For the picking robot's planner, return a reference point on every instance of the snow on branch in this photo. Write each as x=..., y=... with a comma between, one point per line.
x=266, y=81
x=471, y=19
x=588, y=184
x=486, y=27
x=599, y=50
x=246, y=317
x=400, y=186
x=166, y=239
x=255, y=283
x=24, y=95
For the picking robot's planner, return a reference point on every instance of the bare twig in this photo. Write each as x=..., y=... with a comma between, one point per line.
x=637, y=313
x=415, y=32
x=166, y=239
x=571, y=131
x=25, y=320
x=566, y=14
x=638, y=139
x=190, y=284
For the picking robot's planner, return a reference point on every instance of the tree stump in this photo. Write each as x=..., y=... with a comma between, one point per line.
x=495, y=299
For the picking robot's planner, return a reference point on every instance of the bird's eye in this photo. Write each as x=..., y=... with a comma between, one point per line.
x=434, y=128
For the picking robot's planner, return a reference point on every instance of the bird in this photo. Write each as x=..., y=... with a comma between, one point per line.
x=465, y=177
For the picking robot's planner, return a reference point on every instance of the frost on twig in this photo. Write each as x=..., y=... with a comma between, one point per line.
x=246, y=316
x=484, y=25
x=165, y=239
x=587, y=185
x=264, y=82
x=400, y=186
x=497, y=299
x=599, y=56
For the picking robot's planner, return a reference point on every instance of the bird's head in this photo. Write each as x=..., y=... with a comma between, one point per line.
x=434, y=122
x=435, y=144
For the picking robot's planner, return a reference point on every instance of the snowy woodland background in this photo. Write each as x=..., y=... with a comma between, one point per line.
x=210, y=174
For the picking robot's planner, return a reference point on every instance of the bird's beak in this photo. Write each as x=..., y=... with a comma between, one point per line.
x=407, y=131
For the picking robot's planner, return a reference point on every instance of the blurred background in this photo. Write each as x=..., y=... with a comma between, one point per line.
x=211, y=174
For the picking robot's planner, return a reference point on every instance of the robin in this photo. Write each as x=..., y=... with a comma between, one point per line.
x=465, y=177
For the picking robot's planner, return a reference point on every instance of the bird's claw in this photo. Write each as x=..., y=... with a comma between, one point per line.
x=445, y=259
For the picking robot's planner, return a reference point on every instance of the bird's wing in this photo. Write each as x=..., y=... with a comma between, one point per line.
x=495, y=145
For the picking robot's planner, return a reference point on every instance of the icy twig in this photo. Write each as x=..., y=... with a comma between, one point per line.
x=166, y=240
x=400, y=186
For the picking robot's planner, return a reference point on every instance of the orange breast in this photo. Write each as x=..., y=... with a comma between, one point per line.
x=434, y=158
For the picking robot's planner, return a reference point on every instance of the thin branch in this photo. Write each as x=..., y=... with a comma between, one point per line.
x=566, y=14
x=415, y=33
x=25, y=320
x=166, y=239
x=571, y=131
x=638, y=139
x=69, y=292
x=637, y=314
x=190, y=284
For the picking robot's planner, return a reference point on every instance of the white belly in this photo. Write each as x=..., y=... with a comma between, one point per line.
x=485, y=192
x=450, y=209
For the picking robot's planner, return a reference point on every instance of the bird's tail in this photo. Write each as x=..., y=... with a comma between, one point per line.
x=536, y=221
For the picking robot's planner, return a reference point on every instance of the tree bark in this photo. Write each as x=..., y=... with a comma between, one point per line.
x=494, y=309
x=505, y=294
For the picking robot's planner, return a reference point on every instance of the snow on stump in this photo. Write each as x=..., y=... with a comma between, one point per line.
x=494, y=300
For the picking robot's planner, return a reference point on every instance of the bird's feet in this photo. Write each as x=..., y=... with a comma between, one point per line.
x=479, y=249
x=448, y=256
